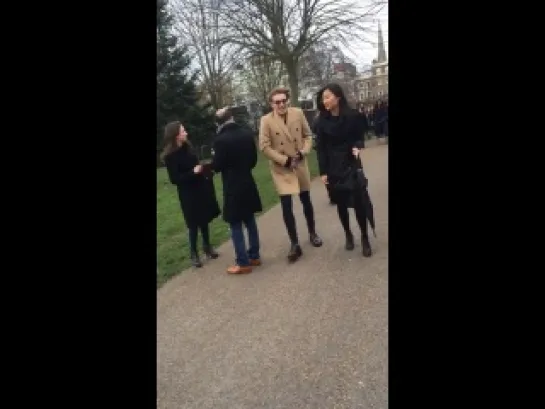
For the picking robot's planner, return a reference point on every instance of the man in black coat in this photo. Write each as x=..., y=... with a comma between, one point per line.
x=235, y=155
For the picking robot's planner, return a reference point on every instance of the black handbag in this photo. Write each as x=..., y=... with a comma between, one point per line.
x=351, y=178
x=361, y=180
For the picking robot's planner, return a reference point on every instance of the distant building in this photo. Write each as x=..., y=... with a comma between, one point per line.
x=344, y=71
x=372, y=84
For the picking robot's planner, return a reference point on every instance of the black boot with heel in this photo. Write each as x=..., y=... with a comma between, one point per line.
x=210, y=252
x=349, y=241
x=366, y=246
x=195, y=260
x=294, y=253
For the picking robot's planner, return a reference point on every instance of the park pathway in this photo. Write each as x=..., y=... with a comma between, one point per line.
x=309, y=335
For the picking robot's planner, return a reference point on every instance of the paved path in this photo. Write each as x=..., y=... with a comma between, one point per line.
x=309, y=335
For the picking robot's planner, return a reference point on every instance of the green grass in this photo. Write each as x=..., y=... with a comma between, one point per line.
x=172, y=240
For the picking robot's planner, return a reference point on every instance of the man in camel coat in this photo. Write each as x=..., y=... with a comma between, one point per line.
x=285, y=139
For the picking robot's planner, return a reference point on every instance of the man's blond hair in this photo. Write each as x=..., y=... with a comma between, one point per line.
x=279, y=90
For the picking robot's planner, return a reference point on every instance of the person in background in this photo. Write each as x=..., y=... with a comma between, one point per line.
x=285, y=139
x=380, y=117
x=365, y=122
x=195, y=189
x=235, y=155
x=385, y=113
x=339, y=129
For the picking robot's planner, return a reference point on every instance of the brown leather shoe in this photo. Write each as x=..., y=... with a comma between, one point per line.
x=239, y=269
x=254, y=262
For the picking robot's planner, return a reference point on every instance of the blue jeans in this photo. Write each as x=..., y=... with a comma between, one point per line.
x=239, y=241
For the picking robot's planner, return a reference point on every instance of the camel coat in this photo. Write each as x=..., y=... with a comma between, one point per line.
x=278, y=141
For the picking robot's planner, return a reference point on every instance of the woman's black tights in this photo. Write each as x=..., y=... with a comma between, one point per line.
x=359, y=209
x=193, y=233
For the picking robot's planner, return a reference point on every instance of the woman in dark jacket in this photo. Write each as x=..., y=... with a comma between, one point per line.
x=340, y=138
x=195, y=188
x=316, y=142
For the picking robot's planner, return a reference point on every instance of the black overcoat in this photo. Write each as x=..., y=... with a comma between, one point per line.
x=336, y=137
x=235, y=155
x=195, y=191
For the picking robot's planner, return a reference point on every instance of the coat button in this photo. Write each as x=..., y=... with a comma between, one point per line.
x=296, y=129
x=278, y=133
x=281, y=143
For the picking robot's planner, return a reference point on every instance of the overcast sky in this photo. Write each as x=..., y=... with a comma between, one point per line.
x=364, y=53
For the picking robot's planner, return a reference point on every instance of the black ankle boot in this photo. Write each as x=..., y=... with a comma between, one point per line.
x=210, y=252
x=315, y=240
x=349, y=241
x=195, y=260
x=366, y=247
x=294, y=253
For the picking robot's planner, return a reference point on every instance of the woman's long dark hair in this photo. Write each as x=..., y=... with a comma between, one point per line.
x=337, y=90
x=172, y=129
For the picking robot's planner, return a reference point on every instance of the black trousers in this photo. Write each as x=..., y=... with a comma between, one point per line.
x=194, y=232
x=329, y=192
x=356, y=198
x=289, y=219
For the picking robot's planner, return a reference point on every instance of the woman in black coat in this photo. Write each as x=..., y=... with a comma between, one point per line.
x=340, y=138
x=195, y=188
x=316, y=143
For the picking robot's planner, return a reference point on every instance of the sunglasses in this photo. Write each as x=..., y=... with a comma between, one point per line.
x=280, y=101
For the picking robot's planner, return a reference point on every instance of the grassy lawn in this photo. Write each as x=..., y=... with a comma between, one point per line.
x=172, y=240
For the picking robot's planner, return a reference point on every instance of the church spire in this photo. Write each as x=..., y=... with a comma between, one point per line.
x=381, y=49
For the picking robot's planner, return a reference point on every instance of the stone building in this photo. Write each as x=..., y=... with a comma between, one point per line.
x=372, y=85
x=344, y=71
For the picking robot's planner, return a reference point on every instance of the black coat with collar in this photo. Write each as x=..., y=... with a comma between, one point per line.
x=336, y=136
x=195, y=191
x=235, y=155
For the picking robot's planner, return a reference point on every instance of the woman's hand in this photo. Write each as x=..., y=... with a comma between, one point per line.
x=197, y=169
x=355, y=152
x=324, y=179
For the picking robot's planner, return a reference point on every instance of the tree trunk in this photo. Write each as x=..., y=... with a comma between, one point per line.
x=293, y=79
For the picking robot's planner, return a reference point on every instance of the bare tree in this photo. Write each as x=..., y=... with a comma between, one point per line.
x=200, y=27
x=263, y=74
x=316, y=65
x=317, y=68
x=286, y=29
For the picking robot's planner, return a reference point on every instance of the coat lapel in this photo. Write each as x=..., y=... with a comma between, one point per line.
x=279, y=121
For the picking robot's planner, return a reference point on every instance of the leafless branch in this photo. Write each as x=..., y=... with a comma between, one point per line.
x=201, y=28
x=264, y=74
x=286, y=29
